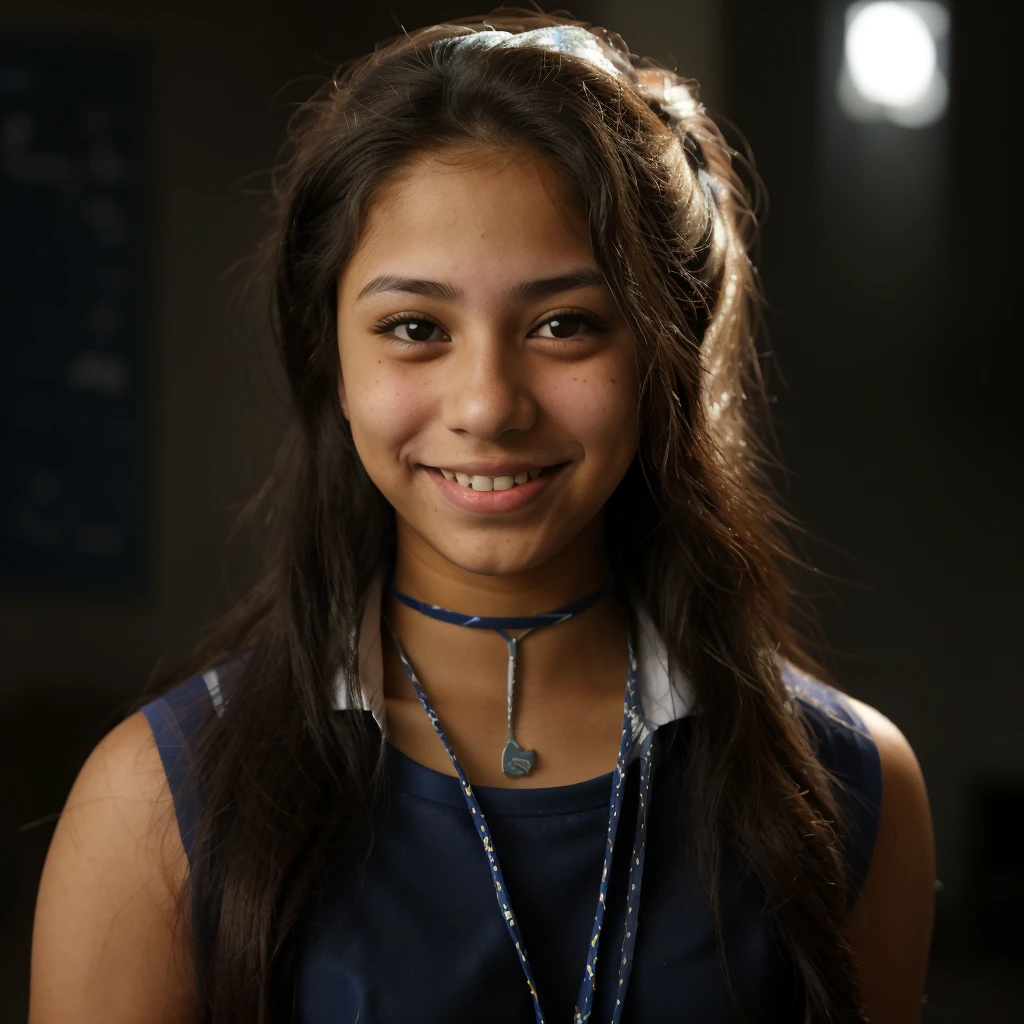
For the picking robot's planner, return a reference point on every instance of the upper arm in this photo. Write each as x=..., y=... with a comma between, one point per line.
x=107, y=944
x=890, y=927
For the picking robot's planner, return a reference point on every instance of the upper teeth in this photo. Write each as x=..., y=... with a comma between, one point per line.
x=491, y=483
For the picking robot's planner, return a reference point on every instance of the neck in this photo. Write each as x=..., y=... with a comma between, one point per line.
x=578, y=569
x=460, y=666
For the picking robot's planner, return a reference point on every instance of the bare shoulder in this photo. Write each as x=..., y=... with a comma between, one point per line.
x=891, y=743
x=107, y=943
x=891, y=925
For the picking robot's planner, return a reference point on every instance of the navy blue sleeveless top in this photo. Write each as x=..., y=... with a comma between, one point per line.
x=412, y=933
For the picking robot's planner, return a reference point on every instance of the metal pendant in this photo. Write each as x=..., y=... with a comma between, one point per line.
x=515, y=761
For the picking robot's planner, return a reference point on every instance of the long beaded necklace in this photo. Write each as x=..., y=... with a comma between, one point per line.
x=517, y=762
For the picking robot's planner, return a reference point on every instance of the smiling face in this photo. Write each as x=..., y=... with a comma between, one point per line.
x=476, y=336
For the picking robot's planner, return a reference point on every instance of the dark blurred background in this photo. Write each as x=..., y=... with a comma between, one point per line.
x=140, y=403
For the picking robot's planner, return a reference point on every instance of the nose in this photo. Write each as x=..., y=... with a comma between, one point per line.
x=487, y=391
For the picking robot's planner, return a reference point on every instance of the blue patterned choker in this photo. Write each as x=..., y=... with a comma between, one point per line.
x=514, y=760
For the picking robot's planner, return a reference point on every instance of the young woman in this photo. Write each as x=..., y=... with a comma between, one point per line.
x=514, y=726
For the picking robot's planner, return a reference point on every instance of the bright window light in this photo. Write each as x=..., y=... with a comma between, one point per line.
x=892, y=69
x=890, y=53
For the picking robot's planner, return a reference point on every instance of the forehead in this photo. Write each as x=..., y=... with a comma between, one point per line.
x=467, y=212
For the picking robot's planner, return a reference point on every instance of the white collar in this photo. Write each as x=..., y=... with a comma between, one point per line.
x=664, y=699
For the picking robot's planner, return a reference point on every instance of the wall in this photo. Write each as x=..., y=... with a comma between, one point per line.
x=685, y=36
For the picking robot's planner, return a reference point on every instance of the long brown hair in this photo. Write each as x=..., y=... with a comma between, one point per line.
x=283, y=776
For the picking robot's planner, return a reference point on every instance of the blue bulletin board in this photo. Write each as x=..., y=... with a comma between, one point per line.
x=73, y=420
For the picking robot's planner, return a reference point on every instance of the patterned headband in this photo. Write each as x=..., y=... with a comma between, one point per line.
x=676, y=100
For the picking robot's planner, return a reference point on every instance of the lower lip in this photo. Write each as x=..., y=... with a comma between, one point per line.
x=493, y=501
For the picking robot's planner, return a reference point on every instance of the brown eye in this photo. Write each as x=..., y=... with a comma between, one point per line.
x=417, y=330
x=564, y=326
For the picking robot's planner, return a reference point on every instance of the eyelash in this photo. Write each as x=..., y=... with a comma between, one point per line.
x=386, y=325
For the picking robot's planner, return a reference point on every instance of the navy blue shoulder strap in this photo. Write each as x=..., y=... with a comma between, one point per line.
x=174, y=718
x=846, y=749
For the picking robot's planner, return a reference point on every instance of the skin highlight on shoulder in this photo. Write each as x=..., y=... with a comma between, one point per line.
x=890, y=928
x=107, y=941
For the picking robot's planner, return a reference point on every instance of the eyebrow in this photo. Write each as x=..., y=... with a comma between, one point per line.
x=522, y=292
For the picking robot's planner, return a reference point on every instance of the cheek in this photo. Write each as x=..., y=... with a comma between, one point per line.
x=385, y=410
x=599, y=409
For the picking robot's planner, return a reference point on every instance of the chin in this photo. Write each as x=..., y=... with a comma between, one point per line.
x=492, y=557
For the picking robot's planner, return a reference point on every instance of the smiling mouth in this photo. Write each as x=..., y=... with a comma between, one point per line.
x=495, y=483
